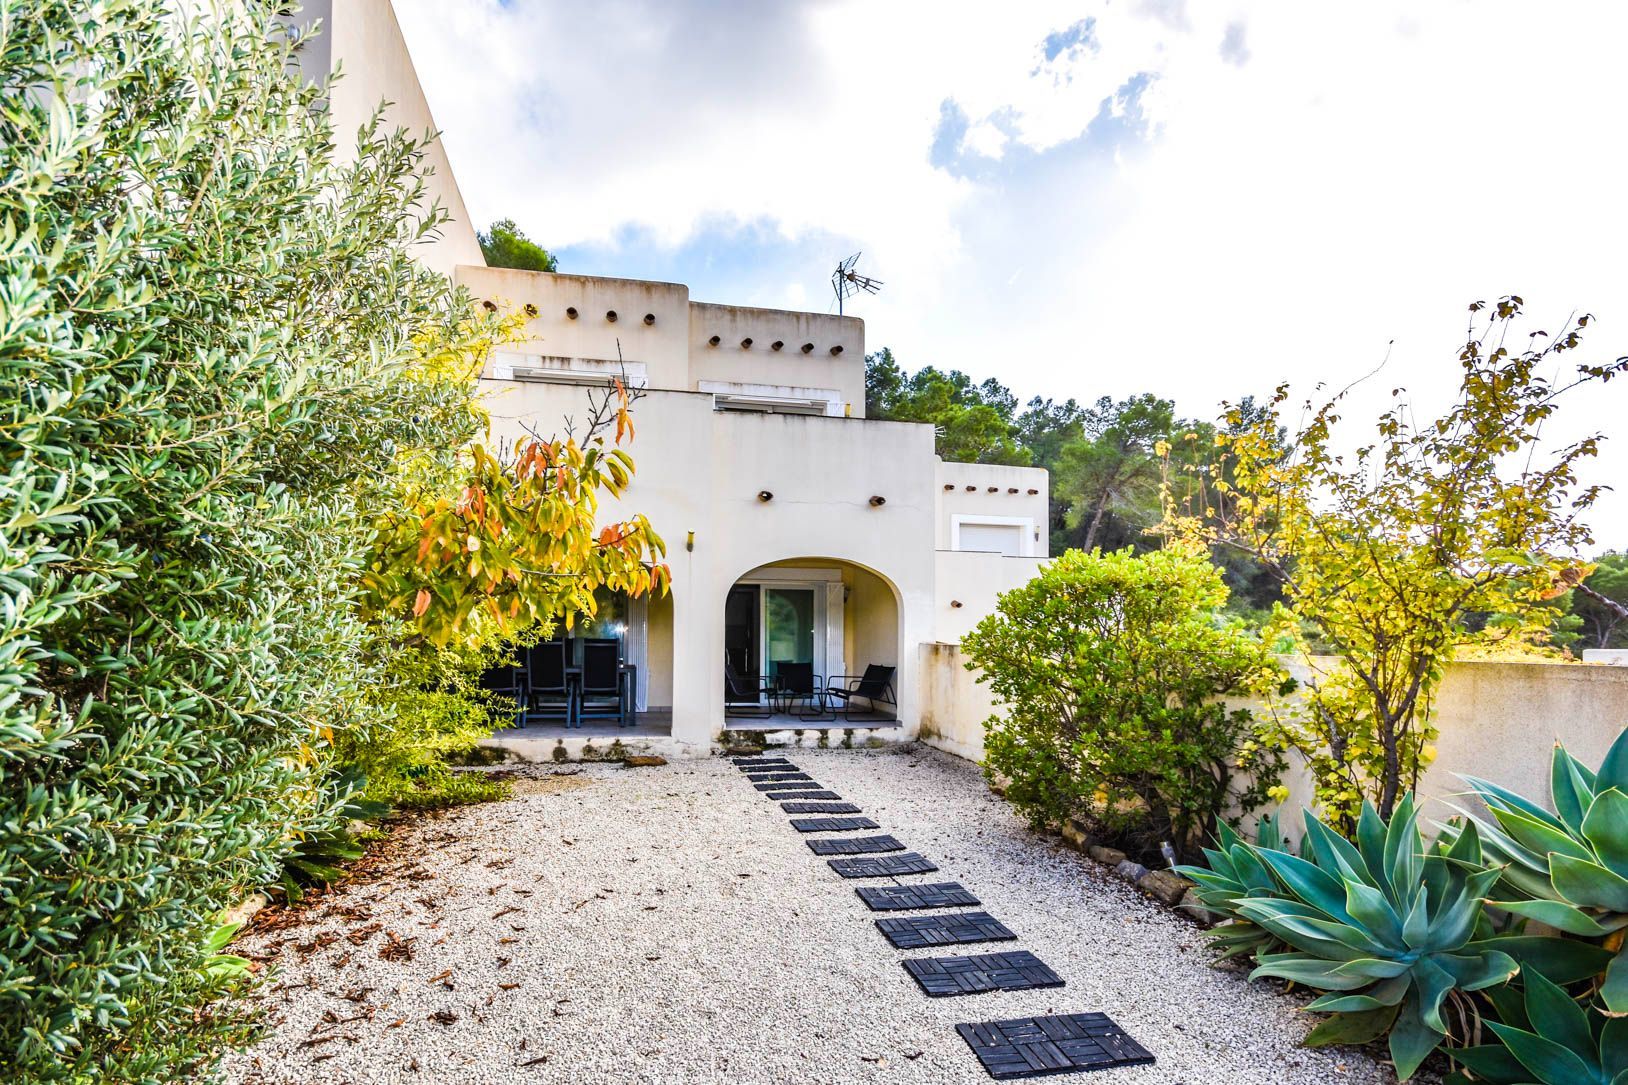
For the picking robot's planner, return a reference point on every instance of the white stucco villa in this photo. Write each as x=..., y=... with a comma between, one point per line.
x=797, y=529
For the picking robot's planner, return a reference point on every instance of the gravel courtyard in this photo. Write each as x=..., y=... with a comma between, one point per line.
x=667, y=925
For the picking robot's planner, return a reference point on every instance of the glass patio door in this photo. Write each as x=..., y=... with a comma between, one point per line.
x=788, y=627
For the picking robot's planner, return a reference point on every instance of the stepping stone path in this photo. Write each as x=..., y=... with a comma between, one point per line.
x=1032, y=1046
x=855, y=845
x=886, y=866
x=819, y=808
x=832, y=825
x=1017, y=1048
x=944, y=929
x=1018, y=971
x=899, y=898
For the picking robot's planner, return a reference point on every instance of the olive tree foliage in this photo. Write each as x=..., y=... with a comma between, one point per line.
x=1110, y=669
x=1434, y=539
x=213, y=352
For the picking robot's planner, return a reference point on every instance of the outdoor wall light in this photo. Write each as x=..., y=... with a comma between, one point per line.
x=689, y=543
x=956, y=603
x=650, y=318
x=808, y=348
x=836, y=350
x=777, y=344
x=878, y=502
x=570, y=312
x=531, y=311
x=610, y=315
x=765, y=496
x=746, y=344
x=714, y=341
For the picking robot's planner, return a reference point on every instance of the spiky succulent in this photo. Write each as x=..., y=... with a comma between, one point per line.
x=1386, y=926
x=1567, y=869
x=1546, y=1038
x=1234, y=872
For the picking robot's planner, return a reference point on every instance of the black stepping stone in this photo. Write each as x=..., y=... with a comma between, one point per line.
x=855, y=845
x=1017, y=971
x=886, y=866
x=903, y=898
x=1034, y=1046
x=945, y=929
x=821, y=796
x=819, y=808
x=746, y=764
x=789, y=785
x=832, y=825
x=779, y=777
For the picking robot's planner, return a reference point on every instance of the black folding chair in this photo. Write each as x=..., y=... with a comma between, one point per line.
x=601, y=695
x=795, y=682
x=549, y=695
x=875, y=686
x=743, y=697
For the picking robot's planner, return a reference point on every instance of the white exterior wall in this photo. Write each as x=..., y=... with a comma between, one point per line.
x=991, y=493
x=701, y=470
x=363, y=39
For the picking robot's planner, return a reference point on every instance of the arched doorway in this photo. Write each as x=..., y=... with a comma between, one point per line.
x=829, y=618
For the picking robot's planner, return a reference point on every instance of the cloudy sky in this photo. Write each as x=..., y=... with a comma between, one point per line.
x=1198, y=199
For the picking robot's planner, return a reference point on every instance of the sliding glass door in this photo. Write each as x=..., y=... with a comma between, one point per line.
x=788, y=624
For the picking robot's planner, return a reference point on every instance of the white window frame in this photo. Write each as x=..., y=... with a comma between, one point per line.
x=1026, y=536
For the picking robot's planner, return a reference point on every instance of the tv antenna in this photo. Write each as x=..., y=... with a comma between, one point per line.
x=847, y=282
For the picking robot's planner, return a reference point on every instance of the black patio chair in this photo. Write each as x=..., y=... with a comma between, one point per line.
x=508, y=680
x=743, y=697
x=549, y=695
x=795, y=682
x=875, y=686
x=602, y=693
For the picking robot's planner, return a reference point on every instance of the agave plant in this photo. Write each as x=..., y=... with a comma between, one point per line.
x=1548, y=1039
x=1567, y=869
x=1387, y=927
x=1235, y=872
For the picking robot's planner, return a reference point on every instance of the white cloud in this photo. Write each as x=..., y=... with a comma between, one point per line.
x=1369, y=171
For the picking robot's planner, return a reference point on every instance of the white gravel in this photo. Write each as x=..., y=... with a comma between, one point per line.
x=667, y=925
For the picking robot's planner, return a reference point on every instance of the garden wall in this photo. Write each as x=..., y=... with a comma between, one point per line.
x=1498, y=721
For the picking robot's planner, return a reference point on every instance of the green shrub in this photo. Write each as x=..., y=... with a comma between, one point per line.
x=1109, y=667
x=208, y=352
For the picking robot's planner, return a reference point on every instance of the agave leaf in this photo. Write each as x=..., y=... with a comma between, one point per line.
x=1539, y=838
x=1312, y=971
x=1352, y=1028
x=1384, y=993
x=1491, y=1062
x=1495, y=797
x=1614, y=769
x=1305, y=928
x=1404, y=853
x=1372, y=967
x=1371, y=908
x=1614, y=1047
x=1268, y=834
x=1557, y=1017
x=1614, y=991
x=1551, y=1062
x=1432, y=982
x=1570, y=794
x=1334, y=852
x=1310, y=883
x=1411, y=1039
x=1587, y=883
x=1476, y=971
x=1561, y=960
x=1606, y=827
x=1416, y=927
x=1371, y=843
x=1559, y=915
x=1466, y=844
